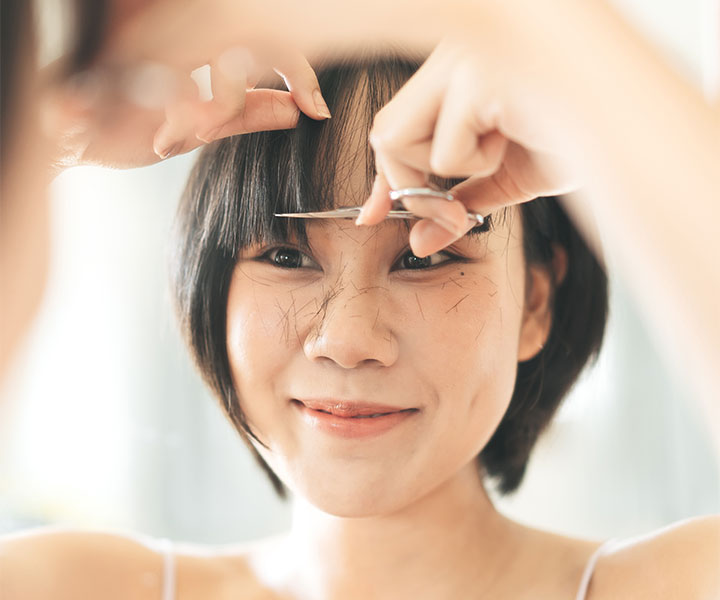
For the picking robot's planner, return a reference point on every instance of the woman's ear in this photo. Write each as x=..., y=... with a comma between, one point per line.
x=537, y=312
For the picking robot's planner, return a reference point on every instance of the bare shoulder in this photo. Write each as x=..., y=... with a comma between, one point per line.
x=62, y=564
x=681, y=560
x=254, y=570
x=51, y=564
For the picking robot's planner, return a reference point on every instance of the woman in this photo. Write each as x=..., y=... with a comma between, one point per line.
x=382, y=388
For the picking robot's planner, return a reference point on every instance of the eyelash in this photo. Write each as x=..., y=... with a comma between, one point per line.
x=449, y=258
x=267, y=256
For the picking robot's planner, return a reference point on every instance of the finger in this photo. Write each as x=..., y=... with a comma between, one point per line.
x=378, y=204
x=265, y=110
x=402, y=131
x=254, y=75
x=229, y=79
x=302, y=83
x=461, y=153
x=180, y=120
x=229, y=83
x=465, y=140
x=397, y=172
x=173, y=135
x=427, y=237
x=175, y=148
x=490, y=150
x=488, y=194
x=522, y=176
x=450, y=215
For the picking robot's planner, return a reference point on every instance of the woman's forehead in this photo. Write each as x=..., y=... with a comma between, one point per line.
x=394, y=233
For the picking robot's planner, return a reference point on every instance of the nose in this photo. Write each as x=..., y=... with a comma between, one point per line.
x=352, y=329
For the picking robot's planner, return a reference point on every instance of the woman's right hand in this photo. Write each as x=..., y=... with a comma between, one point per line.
x=137, y=115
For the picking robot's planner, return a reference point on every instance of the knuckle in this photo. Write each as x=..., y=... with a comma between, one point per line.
x=380, y=140
x=490, y=165
x=443, y=165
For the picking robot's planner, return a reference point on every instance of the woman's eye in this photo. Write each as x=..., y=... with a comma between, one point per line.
x=289, y=258
x=410, y=261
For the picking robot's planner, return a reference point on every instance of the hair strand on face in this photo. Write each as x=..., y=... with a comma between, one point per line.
x=239, y=183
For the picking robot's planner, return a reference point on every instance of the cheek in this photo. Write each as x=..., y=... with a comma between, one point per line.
x=266, y=321
x=466, y=327
x=466, y=337
x=253, y=331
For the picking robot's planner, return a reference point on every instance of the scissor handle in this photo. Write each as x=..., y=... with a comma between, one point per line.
x=398, y=210
x=420, y=192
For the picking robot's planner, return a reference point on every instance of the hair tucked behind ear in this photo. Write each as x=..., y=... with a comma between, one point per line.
x=239, y=183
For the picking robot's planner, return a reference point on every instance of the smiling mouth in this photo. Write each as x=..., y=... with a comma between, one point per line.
x=351, y=410
x=363, y=416
x=352, y=420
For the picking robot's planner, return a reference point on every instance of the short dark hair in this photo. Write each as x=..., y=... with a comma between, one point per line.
x=237, y=185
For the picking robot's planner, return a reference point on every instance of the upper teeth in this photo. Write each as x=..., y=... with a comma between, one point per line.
x=354, y=416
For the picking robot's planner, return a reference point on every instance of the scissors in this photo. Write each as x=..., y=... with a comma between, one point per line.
x=397, y=210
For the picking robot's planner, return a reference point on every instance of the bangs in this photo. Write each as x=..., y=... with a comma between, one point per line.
x=239, y=183
x=244, y=180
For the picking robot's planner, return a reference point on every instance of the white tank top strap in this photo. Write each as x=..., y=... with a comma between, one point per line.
x=590, y=567
x=165, y=546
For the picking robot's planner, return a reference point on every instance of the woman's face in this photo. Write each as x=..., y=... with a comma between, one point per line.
x=355, y=325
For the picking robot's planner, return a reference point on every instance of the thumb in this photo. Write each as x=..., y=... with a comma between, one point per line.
x=265, y=110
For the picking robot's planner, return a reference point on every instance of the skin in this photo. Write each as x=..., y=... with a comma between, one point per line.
x=62, y=126
x=372, y=518
x=562, y=92
x=357, y=325
x=24, y=221
x=369, y=502
x=622, y=180
x=561, y=127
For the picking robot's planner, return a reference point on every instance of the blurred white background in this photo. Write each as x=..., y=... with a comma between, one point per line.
x=104, y=423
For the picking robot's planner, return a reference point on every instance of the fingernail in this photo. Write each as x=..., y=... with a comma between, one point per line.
x=320, y=105
x=168, y=152
x=361, y=217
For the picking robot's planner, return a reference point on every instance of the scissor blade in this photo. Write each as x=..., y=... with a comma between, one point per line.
x=353, y=211
x=339, y=213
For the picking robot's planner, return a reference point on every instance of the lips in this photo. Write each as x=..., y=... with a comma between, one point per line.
x=352, y=420
x=351, y=409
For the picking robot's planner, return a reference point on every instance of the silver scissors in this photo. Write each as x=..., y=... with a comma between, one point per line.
x=397, y=211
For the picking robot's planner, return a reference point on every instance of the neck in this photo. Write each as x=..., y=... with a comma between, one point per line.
x=444, y=544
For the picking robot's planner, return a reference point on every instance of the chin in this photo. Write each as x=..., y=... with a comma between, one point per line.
x=348, y=490
x=355, y=499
